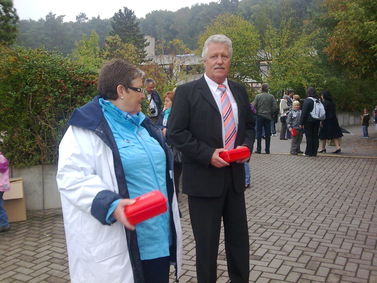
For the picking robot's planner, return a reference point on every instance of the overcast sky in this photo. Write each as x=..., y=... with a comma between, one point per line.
x=36, y=9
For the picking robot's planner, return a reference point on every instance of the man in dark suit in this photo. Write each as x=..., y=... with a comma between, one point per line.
x=201, y=128
x=153, y=99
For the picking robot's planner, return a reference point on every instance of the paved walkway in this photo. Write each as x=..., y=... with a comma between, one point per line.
x=310, y=220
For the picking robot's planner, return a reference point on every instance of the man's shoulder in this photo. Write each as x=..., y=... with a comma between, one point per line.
x=266, y=95
x=189, y=86
x=235, y=84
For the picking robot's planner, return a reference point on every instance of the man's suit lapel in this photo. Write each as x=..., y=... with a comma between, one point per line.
x=206, y=93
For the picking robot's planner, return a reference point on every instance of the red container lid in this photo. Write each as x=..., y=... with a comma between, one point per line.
x=146, y=206
x=235, y=154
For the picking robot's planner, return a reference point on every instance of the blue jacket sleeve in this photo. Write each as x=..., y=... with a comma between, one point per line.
x=101, y=205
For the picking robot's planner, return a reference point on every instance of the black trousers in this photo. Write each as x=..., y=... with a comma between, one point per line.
x=206, y=215
x=177, y=176
x=312, y=138
x=283, y=129
x=156, y=270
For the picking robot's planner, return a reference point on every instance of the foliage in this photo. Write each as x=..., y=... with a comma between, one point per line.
x=115, y=48
x=185, y=24
x=87, y=52
x=53, y=34
x=8, y=21
x=173, y=47
x=245, y=60
x=126, y=26
x=156, y=72
x=353, y=41
x=292, y=58
x=38, y=92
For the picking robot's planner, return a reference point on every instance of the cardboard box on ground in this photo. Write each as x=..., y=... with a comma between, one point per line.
x=14, y=201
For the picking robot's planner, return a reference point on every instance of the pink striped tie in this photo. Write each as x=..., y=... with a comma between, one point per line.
x=228, y=119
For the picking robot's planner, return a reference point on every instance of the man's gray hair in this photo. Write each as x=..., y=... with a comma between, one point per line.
x=217, y=38
x=148, y=81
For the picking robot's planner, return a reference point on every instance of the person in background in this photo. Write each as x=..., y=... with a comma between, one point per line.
x=309, y=124
x=329, y=128
x=375, y=115
x=296, y=97
x=4, y=187
x=274, y=120
x=211, y=115
x=247, y=164
x=163, y=124
x=284, y=109
x=110, y=154
x=153, y=100
x=293, y=123
x=365, y=123
x=265, y=106
x=290, y=95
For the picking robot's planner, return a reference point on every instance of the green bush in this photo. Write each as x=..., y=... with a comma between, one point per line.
x=38, y=92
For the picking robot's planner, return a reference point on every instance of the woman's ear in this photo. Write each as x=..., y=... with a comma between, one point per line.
x=120, y=90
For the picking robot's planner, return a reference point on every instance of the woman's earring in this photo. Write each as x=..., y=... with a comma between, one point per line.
x=121, y=97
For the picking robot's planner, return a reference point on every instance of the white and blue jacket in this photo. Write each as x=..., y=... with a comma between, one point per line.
x=90, y=177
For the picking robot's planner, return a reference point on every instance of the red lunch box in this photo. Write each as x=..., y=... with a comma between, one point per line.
x=235, y=154
x=146, y=206
x=293, y=132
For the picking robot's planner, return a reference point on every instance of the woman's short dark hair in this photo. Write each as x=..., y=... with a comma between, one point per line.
x=114, y=73
x=326, y=95
x=310, y=92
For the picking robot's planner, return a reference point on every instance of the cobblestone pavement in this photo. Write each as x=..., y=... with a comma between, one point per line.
x=310, y=220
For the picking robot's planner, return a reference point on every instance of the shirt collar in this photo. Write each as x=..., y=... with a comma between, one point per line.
x=213, y=85
x=115, y=112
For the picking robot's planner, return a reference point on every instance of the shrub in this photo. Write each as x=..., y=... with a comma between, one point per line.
x=38, y=92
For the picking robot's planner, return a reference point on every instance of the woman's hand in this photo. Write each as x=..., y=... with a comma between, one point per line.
x=118, y=213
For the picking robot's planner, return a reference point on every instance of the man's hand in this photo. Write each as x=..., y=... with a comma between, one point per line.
x=119, y=213
x=216, y=160
x=243, y=160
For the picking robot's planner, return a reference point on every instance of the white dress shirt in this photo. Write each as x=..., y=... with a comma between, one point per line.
x=216, y=93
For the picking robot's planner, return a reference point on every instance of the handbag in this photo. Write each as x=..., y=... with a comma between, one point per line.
x=177, y=155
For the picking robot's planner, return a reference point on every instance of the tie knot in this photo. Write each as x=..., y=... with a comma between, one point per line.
x=222, y=88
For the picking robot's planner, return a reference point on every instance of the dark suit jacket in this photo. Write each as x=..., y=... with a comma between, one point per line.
x=195, y=128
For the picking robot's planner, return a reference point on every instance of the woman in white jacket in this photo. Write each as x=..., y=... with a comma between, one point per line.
x=283, y=116
x=110, y=154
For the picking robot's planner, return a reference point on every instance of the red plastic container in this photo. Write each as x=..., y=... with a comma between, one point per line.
x=293, y=132
x=146, y=206
x=235, y=154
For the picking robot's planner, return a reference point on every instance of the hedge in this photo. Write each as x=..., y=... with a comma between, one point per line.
x=38, y=92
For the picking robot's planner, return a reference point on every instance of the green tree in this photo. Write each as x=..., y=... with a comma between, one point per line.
x=292, y=58
x=87, y=52
x=116, y=48
x=245, y=60
x=353, y=41
x=8, y=22
x=126, y=26
x=176, y=46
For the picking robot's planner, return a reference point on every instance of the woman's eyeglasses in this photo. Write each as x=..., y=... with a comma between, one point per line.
x=138, y=89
